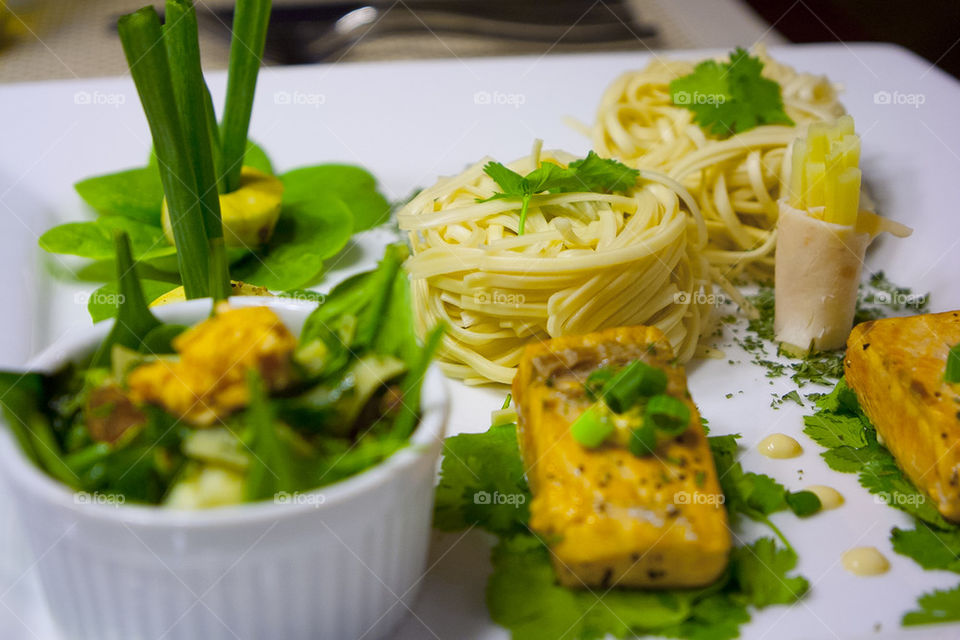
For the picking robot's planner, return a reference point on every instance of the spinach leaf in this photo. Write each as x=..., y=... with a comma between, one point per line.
x=134, y=193
x=94, y=239
x=307, y=233
x=355, y=186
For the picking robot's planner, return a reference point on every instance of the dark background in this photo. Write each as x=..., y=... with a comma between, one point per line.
x=930, y=28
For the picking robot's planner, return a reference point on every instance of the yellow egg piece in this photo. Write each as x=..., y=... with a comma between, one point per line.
x=237, y=288
x=249, y=214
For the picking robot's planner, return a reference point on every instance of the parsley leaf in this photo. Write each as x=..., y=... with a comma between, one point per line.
x=477, y=469
x=593, y=173
x=753, y=495
x=601, y=175
x=730, y=97
x=716, y=617
x=523, y=596
x=507, y=179
x=834, y=430
x=929, y=547
x=937, y=606
x=761, y=571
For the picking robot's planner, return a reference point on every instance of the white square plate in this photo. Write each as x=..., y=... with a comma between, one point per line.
x=409, y=122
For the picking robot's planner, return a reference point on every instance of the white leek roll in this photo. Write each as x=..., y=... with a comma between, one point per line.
x=818, y=268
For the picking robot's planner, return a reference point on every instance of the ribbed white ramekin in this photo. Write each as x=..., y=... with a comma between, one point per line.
x=344, y=561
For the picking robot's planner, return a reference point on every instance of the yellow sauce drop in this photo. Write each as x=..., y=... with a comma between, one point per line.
x=830, y=498
x=780, y=445
x=865, y=561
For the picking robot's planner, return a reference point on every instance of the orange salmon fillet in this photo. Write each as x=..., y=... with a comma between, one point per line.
x=896, y=366
x=610, y=517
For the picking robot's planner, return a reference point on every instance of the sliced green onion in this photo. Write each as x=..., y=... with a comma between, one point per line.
x=596, y=380
x=190, y=90
x=142, y=39
x=670, y=416
x=632, y=383
x=952, y=373
x=643, y=440
x=250, y=20
x=592, y=428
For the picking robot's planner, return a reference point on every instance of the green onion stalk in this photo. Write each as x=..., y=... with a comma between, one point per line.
x=246, y=52
x=197, y=160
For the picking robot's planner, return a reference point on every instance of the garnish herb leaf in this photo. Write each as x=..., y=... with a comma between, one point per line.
x=928, y=546
x=593, y=173
x=475, y=465
x=730, y=97
x=134, y=193
x=761, y=571
x=510, y=182
x=935, y=607
x=753, y=495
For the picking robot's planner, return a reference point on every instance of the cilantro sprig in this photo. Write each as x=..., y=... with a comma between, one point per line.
x=593, y=173
x=730, y=97
x=755, y=495
x=523, y=594
x=935, y=607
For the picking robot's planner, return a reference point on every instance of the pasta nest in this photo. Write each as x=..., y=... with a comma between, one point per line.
x=587, y=261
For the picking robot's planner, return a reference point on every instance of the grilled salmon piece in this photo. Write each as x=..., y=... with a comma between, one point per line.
x=896, y=366
x=610, y=517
